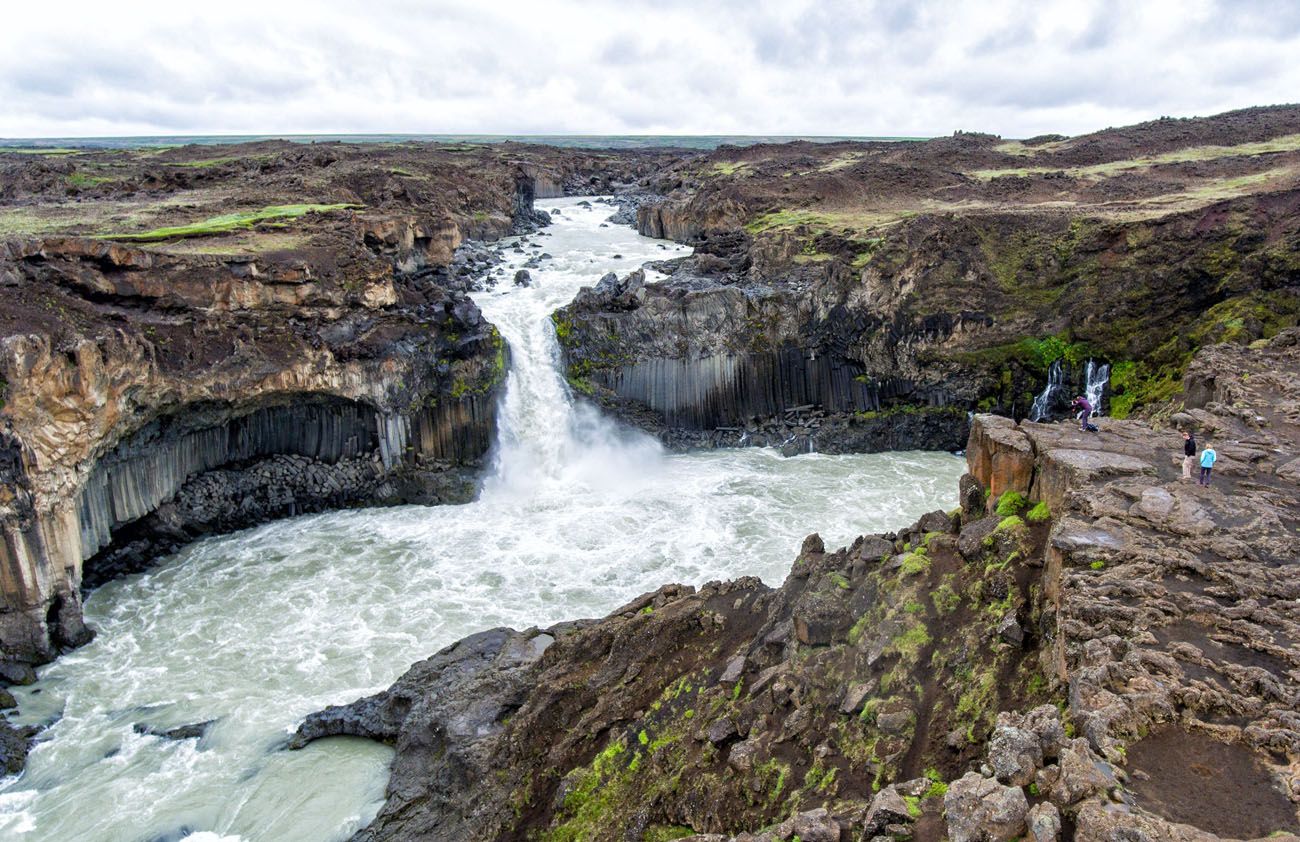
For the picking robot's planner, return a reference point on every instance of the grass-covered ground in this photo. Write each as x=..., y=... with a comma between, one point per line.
x=278, y=214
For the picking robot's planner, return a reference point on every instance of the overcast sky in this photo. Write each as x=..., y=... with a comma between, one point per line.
x=631, y=67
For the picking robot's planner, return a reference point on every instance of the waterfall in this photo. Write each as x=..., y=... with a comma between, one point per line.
x=1043, y=403
x=546, y=438
x=1095, y=378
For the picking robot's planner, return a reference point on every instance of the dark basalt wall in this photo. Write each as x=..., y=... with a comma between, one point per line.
x=208, y=468
x=720, y=391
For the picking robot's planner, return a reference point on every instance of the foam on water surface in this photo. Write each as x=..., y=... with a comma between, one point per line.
x=256, y=629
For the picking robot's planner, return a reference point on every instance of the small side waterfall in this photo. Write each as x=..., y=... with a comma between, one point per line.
x=1095, y=378
x=1043, y=403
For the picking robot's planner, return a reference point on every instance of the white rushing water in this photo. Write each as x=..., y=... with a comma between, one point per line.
x=1095, y=378
x=256, y=629
x=1043, y=402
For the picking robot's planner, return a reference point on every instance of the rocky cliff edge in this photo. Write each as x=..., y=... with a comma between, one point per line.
x=1090, y=648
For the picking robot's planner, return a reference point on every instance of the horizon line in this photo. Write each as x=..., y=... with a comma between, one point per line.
x=278, y=135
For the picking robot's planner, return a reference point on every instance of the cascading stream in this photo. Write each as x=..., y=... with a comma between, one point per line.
x=1042, y=405
x=254, y=630
x=546, y=441
x=1095, y=378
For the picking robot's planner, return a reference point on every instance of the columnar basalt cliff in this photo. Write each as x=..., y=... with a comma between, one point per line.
x=839, y=291
x=124, y=395
x=167, y=372
x=1045, y=662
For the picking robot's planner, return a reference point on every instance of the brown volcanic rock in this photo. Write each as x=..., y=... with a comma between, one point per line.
x=1001, y=457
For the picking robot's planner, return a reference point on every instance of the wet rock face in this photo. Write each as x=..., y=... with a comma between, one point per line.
x=445, y=716
x=705, y=361
x=718, y=367
x=15, y=741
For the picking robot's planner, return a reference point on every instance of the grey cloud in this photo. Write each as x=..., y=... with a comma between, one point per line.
x=1015, y=34
x=887, y=67
x=1259, y=17
x=1101, y=29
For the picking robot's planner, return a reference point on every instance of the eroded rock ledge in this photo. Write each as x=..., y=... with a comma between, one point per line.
x=136, y=417
x=1042, y=663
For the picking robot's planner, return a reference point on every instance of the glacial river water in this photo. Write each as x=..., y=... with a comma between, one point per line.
x=256, y=629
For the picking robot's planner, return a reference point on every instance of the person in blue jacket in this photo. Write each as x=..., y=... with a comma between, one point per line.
x=1208, y=458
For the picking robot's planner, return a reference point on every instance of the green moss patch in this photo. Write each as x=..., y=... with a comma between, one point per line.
x=1011, y=503
x=228, y=222
x=1285, y=143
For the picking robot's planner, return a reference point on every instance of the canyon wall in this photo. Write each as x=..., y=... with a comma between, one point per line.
x=198, y=339
x=773, y=336
x=150, y=398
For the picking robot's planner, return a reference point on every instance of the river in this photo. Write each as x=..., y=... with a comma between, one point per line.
x=255, y=629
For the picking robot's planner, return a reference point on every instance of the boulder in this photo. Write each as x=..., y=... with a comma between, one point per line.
x=1044, y=823
x=895, y=721
x=193, y=731
x=980, y=809
x=821, y=617
x=720, y=730
x=1080, y=777
x=1009, y=630
x=608, y=285
x=811, y=826
x=1015, y=754
x=971, y=494
x=971, y=541
x=888, y=807
x=1290, y=471
x=14, y=743
x=934, y=522
x=856, y=696
x=742, y=755
x=1044, y=722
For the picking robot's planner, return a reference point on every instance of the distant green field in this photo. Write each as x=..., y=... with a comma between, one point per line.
x=40, y=150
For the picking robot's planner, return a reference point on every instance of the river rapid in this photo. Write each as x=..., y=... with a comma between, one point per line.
x=255, y=629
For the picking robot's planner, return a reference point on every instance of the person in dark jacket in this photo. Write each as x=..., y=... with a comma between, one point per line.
x=1189, y=455
x=1085, y=409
